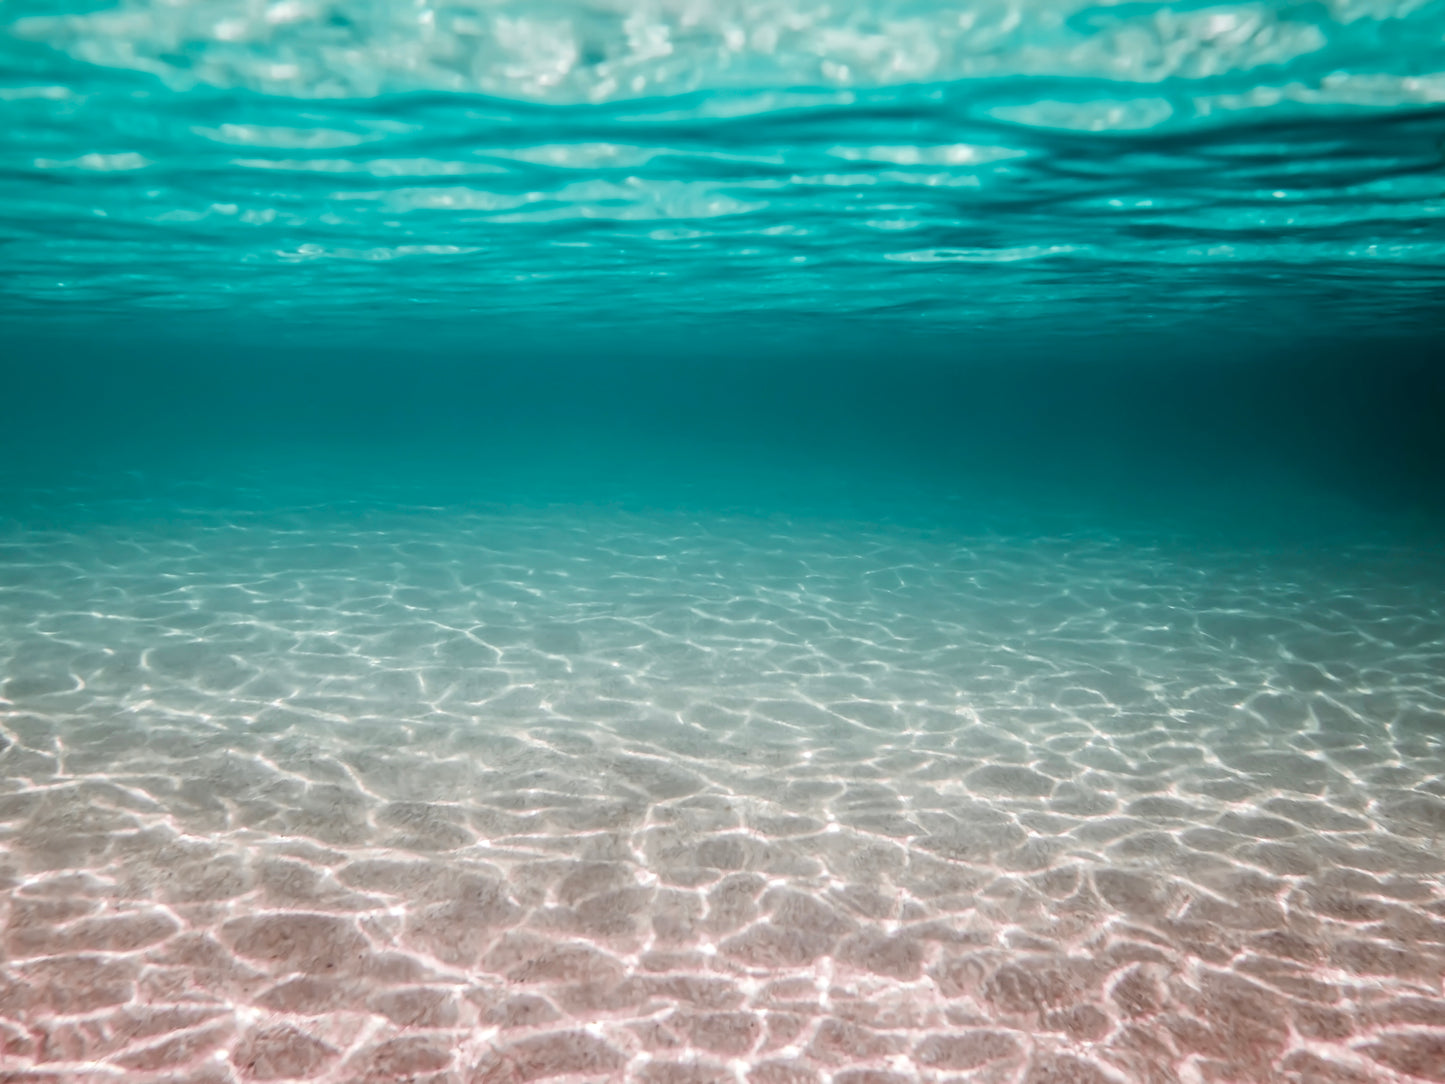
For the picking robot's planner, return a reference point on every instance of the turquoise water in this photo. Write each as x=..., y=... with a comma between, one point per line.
x=901, y=167
x=778, y=543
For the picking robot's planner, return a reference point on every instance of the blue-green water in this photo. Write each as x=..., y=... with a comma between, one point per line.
x=781, y=543
x=1157, y=252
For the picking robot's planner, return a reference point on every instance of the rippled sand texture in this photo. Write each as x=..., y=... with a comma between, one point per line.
x=497, y=798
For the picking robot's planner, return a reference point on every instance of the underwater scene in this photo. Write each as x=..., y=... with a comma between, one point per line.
x=722, y=541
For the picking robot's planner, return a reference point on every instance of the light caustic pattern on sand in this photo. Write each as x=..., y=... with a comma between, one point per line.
x=495, y=798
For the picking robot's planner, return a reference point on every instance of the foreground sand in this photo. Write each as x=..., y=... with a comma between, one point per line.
x=432, y=796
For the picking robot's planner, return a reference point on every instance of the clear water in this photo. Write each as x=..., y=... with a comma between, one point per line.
x=795, y=542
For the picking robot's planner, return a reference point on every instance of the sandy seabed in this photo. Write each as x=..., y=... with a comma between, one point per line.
x=433, y=796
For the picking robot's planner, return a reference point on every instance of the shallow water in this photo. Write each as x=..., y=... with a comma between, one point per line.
x=377, y=790
x=785, y=544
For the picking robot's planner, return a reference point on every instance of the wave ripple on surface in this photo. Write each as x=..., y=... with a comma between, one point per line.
x=1128, y=165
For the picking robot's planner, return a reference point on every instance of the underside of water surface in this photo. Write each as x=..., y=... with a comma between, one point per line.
x=690, y=541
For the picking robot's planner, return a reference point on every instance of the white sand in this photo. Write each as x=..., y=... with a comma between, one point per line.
x=437, y=796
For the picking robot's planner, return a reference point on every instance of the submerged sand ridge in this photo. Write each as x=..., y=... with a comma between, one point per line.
x=581, y=795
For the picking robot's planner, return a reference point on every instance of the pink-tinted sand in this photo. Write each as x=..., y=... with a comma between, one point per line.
x=651, y=801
